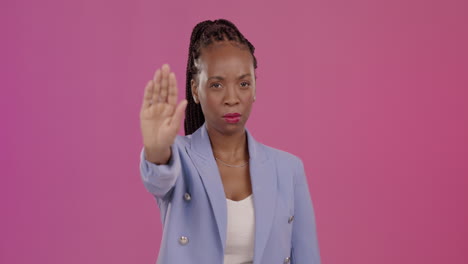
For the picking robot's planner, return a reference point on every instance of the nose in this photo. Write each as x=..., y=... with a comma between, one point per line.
x=231, y=97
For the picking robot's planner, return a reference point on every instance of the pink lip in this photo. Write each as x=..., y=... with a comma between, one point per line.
x=232, y=117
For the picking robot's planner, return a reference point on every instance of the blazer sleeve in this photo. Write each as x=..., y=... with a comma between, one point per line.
x=160, y=179
x=305, y=248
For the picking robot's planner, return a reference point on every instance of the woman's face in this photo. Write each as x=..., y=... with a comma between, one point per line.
x=225, y=85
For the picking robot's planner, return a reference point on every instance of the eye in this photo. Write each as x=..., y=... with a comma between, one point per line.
x=214, y=85
x=245, y=84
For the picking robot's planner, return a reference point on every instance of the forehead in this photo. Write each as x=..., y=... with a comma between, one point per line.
x=226, y=58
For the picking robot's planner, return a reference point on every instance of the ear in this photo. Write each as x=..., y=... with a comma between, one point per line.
x=193, y=86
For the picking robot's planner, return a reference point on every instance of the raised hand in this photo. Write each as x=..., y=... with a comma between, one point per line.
x=160, y=116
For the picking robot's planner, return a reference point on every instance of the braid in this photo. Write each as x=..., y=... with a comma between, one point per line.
x=204, y=34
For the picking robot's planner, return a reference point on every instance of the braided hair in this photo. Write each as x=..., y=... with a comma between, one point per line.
x=204, y=34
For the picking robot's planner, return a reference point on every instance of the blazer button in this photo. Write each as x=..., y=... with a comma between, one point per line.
x=286, y=260
x=183, y=240
x=187, y=196
x=291, y=218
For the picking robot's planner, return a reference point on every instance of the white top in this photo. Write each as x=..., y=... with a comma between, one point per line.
x=240, y=231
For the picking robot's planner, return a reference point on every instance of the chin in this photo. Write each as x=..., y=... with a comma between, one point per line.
x=230, y=128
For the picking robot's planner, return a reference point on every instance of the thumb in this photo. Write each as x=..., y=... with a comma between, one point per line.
x=179, y=114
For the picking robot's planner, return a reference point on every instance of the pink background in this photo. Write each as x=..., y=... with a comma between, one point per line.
x=372, y=95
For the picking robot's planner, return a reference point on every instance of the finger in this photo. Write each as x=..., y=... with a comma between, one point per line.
x=157, y=85
x=172, y=97
x=148, y=95
x=178, y=115
x=164, y=83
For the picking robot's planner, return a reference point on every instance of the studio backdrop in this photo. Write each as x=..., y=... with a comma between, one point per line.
x=371, y=95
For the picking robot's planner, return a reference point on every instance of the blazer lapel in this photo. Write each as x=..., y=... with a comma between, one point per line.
x=205, y=163
x=264, y=185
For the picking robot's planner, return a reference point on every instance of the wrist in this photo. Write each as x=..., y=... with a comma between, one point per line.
x=158, y=157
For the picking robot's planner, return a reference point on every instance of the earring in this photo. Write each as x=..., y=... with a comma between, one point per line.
x=195, y=100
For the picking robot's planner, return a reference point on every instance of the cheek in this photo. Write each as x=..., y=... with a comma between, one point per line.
x=212, y=98
x=248, y=104
x=248, y=96
x=211, y=102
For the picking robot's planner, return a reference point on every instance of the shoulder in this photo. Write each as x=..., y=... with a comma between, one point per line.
x=182, y=141
x=289, y=167
x=281, y=157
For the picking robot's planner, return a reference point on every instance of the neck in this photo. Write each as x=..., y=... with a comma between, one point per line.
x=229, y=147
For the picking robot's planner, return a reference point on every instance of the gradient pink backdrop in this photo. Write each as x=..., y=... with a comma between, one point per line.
x=372, y=95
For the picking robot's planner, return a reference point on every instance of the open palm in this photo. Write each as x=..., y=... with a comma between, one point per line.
x=160, y=116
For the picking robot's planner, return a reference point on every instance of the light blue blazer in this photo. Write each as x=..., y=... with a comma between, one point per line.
x=192, y=202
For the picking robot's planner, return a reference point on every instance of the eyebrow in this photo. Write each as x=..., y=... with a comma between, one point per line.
x=221, y=78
